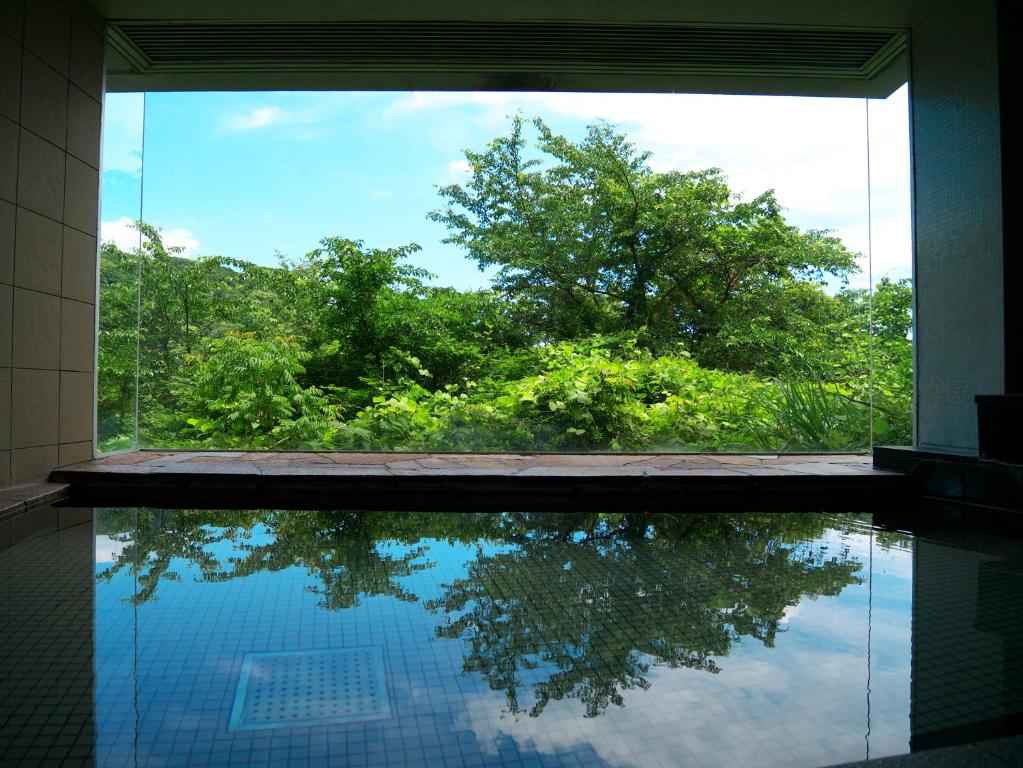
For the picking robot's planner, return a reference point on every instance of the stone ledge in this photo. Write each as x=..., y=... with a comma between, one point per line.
x=965, y=479
x=485, y=482
x=26, y=511
x=14, y=501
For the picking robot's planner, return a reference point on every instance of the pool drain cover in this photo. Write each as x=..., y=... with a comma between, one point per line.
x=302, y=688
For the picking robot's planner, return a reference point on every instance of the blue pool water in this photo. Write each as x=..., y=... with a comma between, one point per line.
x=375, y=639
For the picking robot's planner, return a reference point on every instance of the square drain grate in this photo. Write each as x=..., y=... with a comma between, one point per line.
x=301, y=688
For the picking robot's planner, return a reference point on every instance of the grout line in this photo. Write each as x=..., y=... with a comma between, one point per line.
x=64, y=208
x=50, y=295
x=46, y=140
x=979, y=746
x=14, y=256
x=96, y=250
x=19, y=43
x=52, y=370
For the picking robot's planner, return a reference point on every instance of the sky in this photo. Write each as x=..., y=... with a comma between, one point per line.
x=254, y=175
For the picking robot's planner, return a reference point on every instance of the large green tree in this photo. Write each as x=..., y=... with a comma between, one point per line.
x=588, y=237
x=360, y=309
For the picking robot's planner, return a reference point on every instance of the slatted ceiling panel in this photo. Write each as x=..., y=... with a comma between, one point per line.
x=510, y=47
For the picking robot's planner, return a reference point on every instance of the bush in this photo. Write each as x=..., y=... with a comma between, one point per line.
x=807, y=416
x=243, y=392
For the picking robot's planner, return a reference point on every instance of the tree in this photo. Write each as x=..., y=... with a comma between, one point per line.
x=873, y=353
x=342, y=287
x=589, y=238
x=118, y=329
x=242, y=391
x=155, y=307
x=359, y=309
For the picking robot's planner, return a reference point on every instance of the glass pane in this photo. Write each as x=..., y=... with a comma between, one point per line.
x=522, y=271
x=117, y=385
x=892, y=270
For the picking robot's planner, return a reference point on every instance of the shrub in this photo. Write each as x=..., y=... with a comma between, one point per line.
x=807, y=416
x=243, y=391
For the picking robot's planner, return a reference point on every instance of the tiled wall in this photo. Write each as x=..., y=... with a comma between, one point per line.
x=958, y=220
x=47, y=590
x=965, y=638
x=51, y=88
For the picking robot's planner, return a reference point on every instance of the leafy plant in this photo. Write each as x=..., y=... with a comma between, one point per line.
x=242, y=391
x=807, y=416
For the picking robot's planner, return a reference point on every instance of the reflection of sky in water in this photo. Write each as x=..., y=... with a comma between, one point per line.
x=166, y=670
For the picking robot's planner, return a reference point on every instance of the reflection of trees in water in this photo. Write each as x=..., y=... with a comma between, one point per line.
x=583, y=607
x=153, y=538
x=344, y=550
x=576, y=606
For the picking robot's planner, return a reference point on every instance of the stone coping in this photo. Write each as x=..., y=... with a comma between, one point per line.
x=481, y=481
x=27, y=511
x=14, y=501
x=149, y=462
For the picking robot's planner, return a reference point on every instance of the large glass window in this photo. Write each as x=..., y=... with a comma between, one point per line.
x=505, y=271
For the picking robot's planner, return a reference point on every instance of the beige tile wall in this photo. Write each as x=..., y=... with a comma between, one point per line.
x=958, y=273
x=51, y=91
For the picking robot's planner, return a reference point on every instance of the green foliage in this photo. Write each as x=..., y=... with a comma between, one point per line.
x=872, y=363
x=808, y=416
x=589, y=239
x=631, y=310
x=607, y=393
x=116, y=383
x=245, y=392
x=584, y=398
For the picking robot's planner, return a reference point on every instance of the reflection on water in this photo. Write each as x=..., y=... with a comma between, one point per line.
x=564, y=638
x=507, y=640
x=594, y=603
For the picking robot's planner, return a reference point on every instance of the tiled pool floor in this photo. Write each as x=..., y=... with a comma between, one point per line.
x=500, y=640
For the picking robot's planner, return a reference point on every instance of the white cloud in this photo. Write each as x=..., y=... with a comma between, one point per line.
x=456, y=171
x=306, y=123
x=179, y=237
x=121, y=233
x=124, y=235
x=811, y=151
x=422, y=100
x=257, y=117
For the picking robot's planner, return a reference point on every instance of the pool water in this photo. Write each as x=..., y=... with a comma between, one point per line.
x=195, y=638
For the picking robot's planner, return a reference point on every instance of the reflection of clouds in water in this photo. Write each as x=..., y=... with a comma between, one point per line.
x=894, y=562
x=890, y=561
x=800, y=703
x=790, y=612
x=108, y=549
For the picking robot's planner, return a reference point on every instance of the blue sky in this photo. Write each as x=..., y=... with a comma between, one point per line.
x=250, y=175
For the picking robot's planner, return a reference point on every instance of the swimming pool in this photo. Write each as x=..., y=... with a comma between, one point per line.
x=191, y=637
